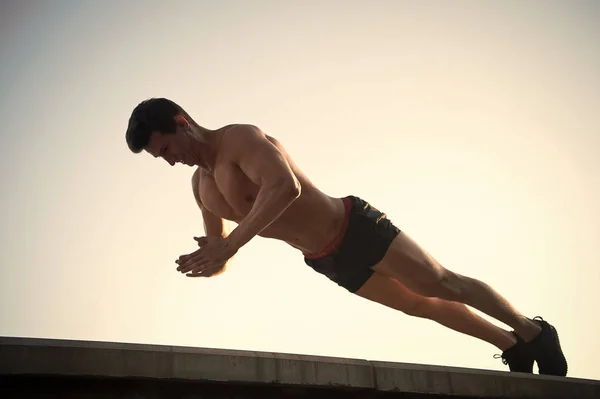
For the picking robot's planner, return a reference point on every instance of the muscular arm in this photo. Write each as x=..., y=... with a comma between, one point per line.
x=213, y=225
x=267, y=167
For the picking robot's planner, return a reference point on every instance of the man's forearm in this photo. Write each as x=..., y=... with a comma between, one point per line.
x=270, y=203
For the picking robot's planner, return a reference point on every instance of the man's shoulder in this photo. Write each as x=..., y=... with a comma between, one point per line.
x=241, y=139
x=240, y=132
x=196, y=178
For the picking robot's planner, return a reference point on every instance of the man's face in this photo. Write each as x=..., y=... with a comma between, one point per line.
x=173, y=148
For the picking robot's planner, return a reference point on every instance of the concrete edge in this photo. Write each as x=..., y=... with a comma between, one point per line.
x=478, y=383
x=41, y=356
x=114, y=359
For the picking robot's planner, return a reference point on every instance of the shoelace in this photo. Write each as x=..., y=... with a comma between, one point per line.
x=499, y=356
x=504, y=360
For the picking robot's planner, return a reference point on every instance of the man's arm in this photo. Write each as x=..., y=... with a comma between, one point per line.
x=268, y=168
x=213, y=225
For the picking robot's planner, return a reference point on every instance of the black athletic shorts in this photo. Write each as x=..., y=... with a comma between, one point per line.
x=362, y=243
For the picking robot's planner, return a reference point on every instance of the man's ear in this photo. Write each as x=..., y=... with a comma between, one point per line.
x=182, y=122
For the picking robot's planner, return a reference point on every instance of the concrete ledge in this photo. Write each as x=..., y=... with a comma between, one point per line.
x=90, y=358
x=50, y=357
x=464, y=382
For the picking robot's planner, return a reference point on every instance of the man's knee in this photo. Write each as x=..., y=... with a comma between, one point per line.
x=420, y=308
x=448, y=286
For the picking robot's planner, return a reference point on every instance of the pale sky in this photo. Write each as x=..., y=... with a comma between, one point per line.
x=473, y=124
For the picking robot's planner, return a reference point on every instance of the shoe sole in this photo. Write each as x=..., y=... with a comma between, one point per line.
x=562, y=356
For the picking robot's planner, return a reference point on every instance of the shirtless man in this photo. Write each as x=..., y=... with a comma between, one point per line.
x=246, y=176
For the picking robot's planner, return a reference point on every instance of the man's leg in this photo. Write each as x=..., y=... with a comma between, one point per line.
x=406, y=262
x=454, y=315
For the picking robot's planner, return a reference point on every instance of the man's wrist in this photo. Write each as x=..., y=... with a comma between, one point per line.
x=233, y=243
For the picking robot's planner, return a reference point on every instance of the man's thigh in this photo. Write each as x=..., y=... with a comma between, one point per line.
x=410, y=264
x=391, y=293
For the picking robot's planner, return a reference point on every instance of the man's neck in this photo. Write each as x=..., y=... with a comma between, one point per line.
x=206, y=146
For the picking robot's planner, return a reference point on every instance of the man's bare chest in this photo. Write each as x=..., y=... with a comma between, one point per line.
x=227, y=192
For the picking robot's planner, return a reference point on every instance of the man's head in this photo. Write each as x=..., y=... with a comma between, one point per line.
x=163, y=129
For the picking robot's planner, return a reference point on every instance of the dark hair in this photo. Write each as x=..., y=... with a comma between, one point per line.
x=152, y=115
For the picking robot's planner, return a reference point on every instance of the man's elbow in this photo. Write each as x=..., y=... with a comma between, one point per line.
x=287, y=188
x=295, y=189
x=291, y=188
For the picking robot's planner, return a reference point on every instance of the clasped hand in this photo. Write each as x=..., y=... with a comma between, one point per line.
x=209, y=259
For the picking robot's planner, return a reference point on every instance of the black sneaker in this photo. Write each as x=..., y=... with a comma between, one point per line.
x=518, y=357
x=546, y=350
